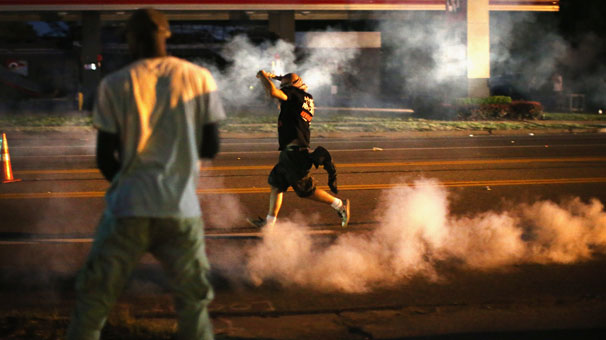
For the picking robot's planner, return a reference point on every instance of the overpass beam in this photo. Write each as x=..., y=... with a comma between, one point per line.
x=478, y=48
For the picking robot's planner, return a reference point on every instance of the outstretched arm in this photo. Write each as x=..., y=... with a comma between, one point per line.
x=273, y=91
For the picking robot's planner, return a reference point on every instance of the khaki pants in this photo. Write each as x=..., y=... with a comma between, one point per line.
x=119, y=244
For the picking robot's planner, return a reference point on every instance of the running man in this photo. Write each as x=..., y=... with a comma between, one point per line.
x=295, y=161
x=155, y=118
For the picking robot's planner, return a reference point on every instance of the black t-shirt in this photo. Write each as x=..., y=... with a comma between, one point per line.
x=295, y=116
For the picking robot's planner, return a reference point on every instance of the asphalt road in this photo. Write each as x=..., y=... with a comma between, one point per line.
x=460, y=271
x=59, y=178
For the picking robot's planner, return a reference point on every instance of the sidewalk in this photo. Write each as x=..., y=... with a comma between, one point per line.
x=519, y=320
x=561, y=321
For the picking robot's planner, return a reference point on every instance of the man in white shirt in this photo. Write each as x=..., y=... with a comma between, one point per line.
x=557, y=82
x=156, y=118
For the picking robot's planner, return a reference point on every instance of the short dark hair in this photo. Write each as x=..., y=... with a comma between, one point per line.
x=146, y=22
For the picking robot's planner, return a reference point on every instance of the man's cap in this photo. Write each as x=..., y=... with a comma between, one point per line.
x=148, y=20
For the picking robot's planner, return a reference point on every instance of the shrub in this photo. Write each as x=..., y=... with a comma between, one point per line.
x=521, y=109
x=483, y=100
x=485, y=112
x=495, y=107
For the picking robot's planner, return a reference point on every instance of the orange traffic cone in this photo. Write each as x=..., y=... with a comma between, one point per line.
x=7, y=170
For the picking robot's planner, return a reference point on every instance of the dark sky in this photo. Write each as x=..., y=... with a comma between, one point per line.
x=582, y=16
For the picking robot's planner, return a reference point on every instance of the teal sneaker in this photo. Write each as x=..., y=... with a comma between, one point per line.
x=258, y=222
x=344, y=214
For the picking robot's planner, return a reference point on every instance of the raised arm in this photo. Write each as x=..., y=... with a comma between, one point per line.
x=273, y=91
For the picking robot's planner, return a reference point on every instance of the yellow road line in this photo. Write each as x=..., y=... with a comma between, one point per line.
x=259, y=190
x=478, y=161
x=28, y=241
x=353, y=165
x=57, y=171
x=67, y=194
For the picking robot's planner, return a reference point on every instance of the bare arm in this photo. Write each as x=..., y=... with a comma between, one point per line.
x=210, y=141
x=273, y=91
x=108, y=149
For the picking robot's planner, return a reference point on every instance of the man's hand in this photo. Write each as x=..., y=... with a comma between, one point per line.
x=271, y=89
x=265, y=74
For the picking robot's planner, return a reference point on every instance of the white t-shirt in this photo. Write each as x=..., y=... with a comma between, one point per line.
x=157, y=106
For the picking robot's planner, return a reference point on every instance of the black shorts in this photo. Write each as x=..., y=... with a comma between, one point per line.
x=292, y=170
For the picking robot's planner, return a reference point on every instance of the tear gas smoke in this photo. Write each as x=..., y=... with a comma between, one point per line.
x=416, y=232
x=524, y=46
x=238, y=81
x=425, y=54
x=245, y=60
x=214, y=207
x=321, y=63
x=527, y=45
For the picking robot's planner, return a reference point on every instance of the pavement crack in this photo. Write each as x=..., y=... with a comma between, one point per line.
x=356, y=331
x=359, y=331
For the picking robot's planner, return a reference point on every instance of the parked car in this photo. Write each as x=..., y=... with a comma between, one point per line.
x=510, y=84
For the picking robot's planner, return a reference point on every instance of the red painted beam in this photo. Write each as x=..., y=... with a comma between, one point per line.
x=348, y=5
x=16, y=5
x=259, y=2
x=218, y=2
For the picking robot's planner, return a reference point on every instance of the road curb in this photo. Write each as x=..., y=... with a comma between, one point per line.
x=86, y=132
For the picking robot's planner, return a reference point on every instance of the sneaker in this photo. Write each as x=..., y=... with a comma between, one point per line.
x=258, y=222
x=344, y=214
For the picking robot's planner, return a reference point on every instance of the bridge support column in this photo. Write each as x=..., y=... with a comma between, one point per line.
x=478, y=48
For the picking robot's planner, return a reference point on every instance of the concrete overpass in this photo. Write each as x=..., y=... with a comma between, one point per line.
x=280, y=17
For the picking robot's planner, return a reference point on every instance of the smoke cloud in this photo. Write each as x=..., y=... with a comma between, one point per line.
x=238, y=82
x=220, y=211
x=527, y=46
x=417, y=232
x=245, y=59
x=424, y=56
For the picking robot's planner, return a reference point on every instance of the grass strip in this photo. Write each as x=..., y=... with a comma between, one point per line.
x=261, y=122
